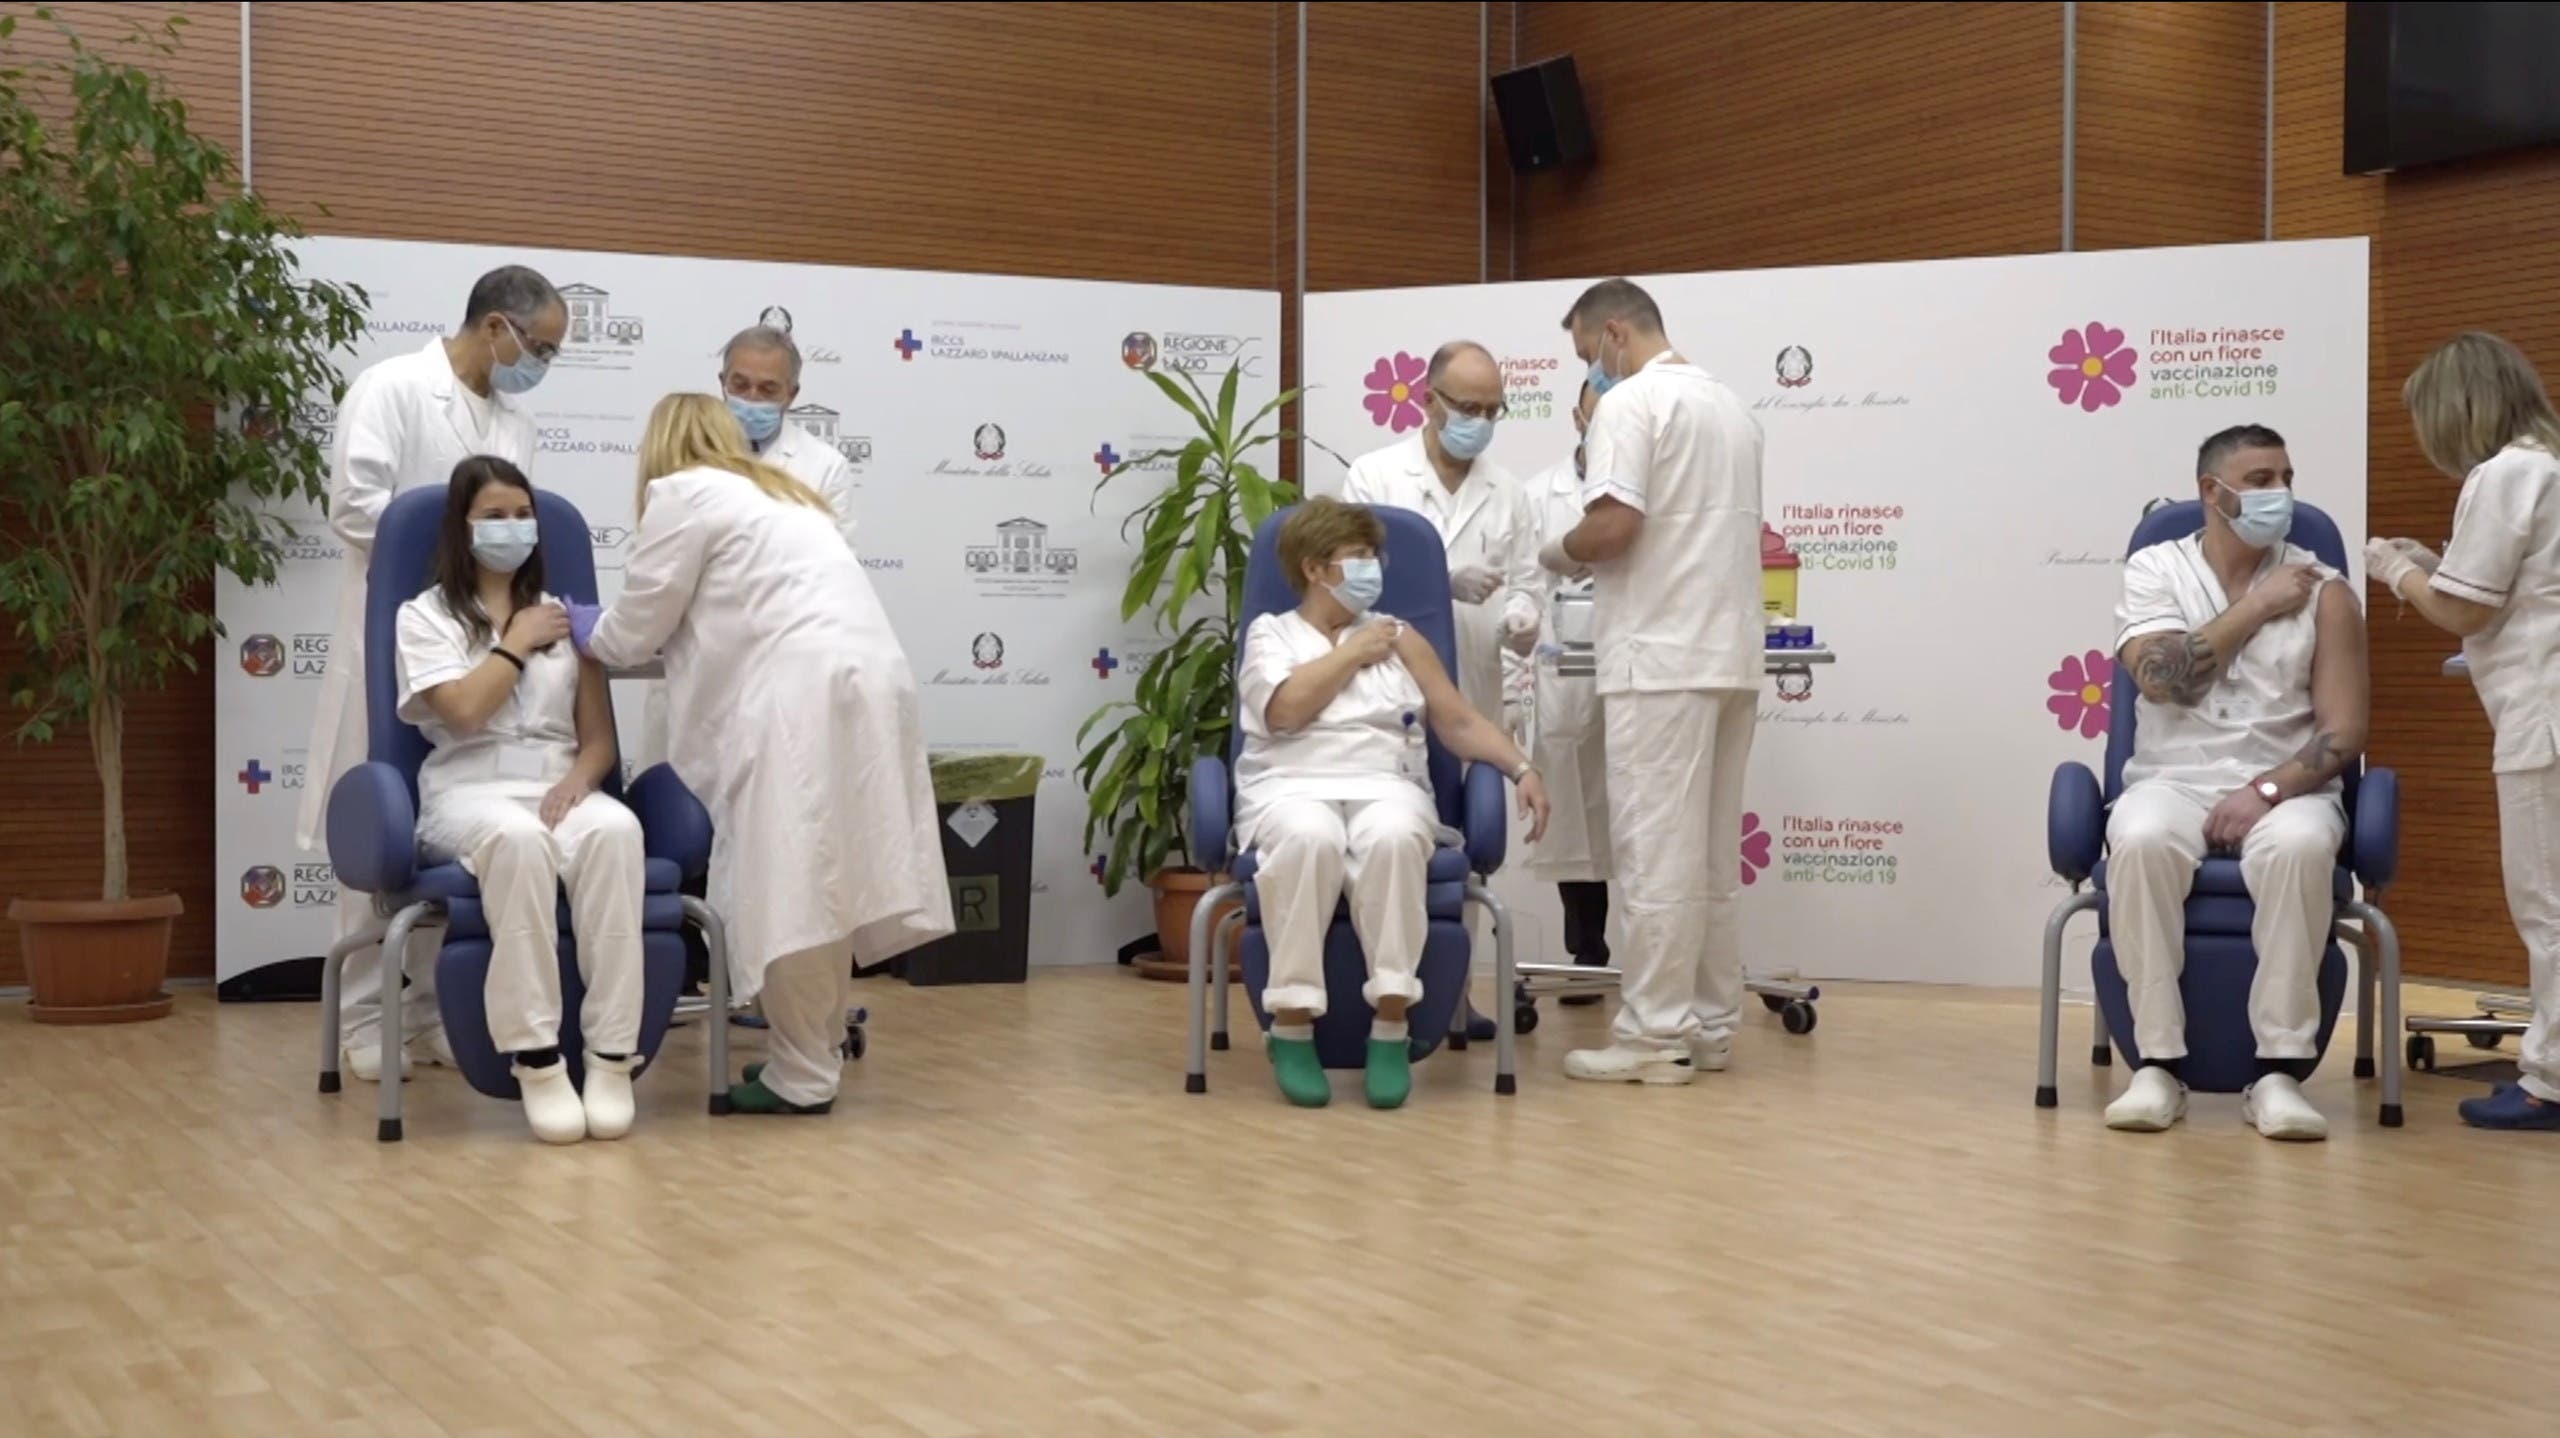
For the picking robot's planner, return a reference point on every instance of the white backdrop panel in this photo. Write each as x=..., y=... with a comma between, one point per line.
x=1962, y=525
x=972, y=407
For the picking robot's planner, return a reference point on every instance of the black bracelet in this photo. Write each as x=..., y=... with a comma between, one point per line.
x=501, y=652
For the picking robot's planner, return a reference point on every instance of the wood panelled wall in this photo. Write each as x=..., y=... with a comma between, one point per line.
x=1159, y=142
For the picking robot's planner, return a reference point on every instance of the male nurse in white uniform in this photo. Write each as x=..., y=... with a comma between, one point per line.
x=1671, y=536
x=1574, y=854
x=404, y=424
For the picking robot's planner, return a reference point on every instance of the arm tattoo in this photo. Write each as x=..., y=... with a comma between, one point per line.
x=2320, y=758
x=2175, y=669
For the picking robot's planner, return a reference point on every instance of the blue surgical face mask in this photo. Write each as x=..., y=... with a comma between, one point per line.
x=1363, y=580
x=527, y=370
x=1601, y=379
x=2265, y=517
x=1465, y=435
x=503, y=545
x=761, y=421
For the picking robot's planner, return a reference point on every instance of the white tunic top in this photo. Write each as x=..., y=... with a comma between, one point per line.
x=2258, y=713
x=794, y=718
x=531, y=740
x=405, y=423
x=1485, y=522
x=1371, y=742
x=1569, y=749
x=1682, y=609
x=2505, y=553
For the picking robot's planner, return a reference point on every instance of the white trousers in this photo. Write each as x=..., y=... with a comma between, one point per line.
x=360, y=978
x=496, y=831
x=2529, y=849
x=1313, y=853
x=804, y=1001
x=1676, y=763
x=2155, y=841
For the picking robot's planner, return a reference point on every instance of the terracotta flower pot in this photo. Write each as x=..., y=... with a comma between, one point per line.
x=96, y=961
x=1177, y=894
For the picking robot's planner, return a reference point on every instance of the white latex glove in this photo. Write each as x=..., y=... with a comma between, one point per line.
x=1473, y=584
x=1520, y=633
x=1515, y=721
x=1554, y=560
x=2423, y=557
x=2385, y=562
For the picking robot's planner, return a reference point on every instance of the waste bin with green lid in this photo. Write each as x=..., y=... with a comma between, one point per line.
x=984, y=802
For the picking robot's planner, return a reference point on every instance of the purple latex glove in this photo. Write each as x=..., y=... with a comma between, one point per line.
x=582, y=622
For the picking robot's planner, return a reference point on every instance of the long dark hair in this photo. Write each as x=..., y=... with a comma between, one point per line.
x=457, y=574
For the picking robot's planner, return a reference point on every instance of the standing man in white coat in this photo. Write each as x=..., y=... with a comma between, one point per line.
x=1484, y=522
x=1487, y=527
x=1671, y=535
x=1574, y=855
x=406, y=423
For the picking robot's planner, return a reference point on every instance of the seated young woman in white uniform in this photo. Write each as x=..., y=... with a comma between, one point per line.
x=1333, y=789
x=523, y=733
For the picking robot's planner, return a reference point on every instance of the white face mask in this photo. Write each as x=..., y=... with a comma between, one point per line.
x=503, y=545
x=2265, y=517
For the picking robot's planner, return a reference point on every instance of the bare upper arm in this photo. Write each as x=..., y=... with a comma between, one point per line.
x=2338, y=677
x=1423, y=663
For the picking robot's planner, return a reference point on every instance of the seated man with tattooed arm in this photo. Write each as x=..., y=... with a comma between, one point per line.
x=2250, y=657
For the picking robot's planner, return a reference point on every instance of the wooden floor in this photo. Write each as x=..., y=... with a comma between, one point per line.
x=1018, y=1224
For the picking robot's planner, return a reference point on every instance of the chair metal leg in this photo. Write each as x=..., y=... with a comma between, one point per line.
x=2101, y=1046
x=332, y=979
x=394, y=1036
x=2386, y=939
x=2049, y=1033
x=1506, y=1075
x=2368, y=980
x=1196, y=1078
x=1223, y=949
x=715, y=937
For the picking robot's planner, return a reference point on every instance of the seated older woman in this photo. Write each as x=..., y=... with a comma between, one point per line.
x=1333, y=789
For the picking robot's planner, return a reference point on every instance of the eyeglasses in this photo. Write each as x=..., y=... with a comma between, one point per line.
x=542, y=350
x=1495, y=410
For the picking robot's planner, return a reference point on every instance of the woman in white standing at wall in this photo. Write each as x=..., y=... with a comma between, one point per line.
x=2481, y=412
x=1567, y=744
x=792, y=715
x=522, y=731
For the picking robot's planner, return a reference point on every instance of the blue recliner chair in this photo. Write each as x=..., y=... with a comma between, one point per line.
x=2220, y=961
x=1417, y=592
x=373, y=844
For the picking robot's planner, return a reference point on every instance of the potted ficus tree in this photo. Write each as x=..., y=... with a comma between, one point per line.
x=1194, y=536
x=156, y=341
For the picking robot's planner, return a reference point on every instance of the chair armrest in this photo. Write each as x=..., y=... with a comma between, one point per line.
x=373, y=830
x=1212, y=819
x=673, y=824
x=2374, y=849
x=1488, y=818
x=2075, y=823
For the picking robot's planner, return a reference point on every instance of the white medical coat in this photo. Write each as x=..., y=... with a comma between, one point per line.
x=1370, y=744
x=2258, y=713
x=405, y=423
x=528, y=744
x=2505, y=554
x=813, y=462
x=1484, y=522
x=1568, y=746
x=794, y=718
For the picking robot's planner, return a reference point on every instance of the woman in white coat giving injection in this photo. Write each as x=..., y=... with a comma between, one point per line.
x=2481, y=412
x=792, y=715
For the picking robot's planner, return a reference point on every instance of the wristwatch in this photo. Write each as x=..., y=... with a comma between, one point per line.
x=2268, y=790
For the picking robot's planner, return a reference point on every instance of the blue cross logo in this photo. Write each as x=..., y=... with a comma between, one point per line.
x=1104, y=459
x=254, y=776
x=1098, y=868
x=906, y=345
x=1103, y=664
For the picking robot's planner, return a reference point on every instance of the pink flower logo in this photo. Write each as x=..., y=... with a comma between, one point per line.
x=1755, y=848
x=2080, y=688
x=1396, y=392
x=2092, y=367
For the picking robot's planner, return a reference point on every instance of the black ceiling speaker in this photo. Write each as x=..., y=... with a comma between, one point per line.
x=1543, y=124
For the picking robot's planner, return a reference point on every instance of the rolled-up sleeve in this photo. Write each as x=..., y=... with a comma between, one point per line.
x=432, y=653
x=1617, y=453
x=2149, y=604
x=1260, y=673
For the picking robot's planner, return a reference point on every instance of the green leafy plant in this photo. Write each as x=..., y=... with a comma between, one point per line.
x=1194, y=538
x=156, y=341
